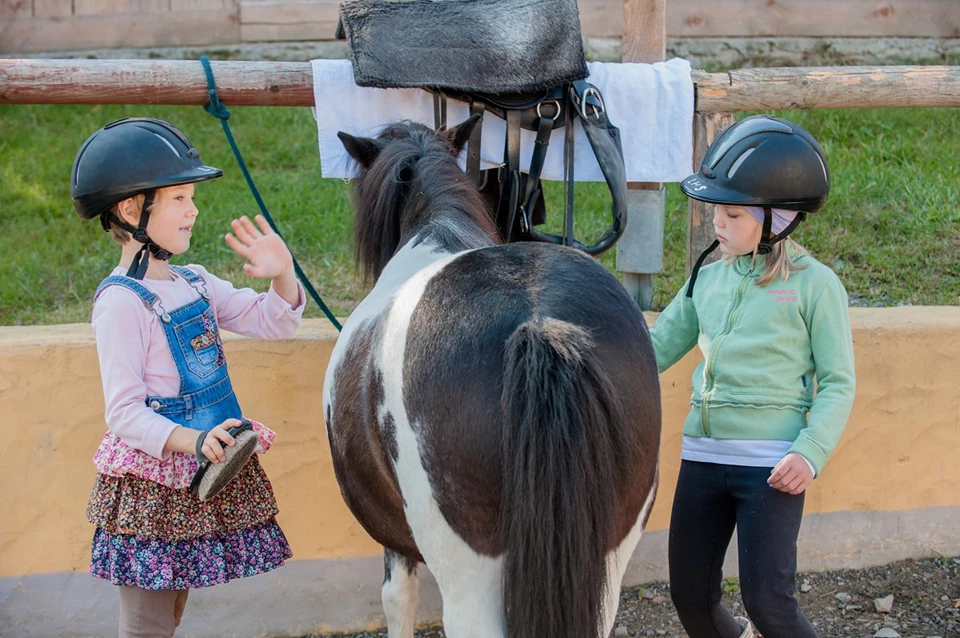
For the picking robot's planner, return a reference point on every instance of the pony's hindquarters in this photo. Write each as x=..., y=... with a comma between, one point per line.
x=566, y=447
x=530, y=383
x=560, y=437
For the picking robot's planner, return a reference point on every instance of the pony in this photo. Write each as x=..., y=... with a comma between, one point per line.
x=493, y=410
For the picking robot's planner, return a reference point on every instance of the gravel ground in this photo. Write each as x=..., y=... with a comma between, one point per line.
x=922, y=598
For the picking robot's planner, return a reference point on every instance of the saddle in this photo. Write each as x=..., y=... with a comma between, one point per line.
x=522, y=61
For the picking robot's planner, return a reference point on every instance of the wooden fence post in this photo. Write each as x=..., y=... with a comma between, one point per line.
x=706, y=127
x=640, y=250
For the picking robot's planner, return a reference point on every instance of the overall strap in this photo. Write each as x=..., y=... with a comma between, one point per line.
x=150, y=300
x=192, y=278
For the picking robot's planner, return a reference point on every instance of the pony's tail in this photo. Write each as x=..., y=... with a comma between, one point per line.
x=562, y=428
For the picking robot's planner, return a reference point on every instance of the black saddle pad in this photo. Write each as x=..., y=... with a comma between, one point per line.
x=483, y=46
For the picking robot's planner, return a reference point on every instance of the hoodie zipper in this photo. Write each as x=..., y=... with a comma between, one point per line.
x=708, y=368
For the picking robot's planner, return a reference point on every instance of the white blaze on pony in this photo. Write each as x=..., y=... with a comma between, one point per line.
x=493, y=410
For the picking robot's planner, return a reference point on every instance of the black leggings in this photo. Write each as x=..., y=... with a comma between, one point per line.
x=710, y=501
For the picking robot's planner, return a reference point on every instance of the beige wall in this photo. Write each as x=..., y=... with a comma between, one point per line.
x=898, y=453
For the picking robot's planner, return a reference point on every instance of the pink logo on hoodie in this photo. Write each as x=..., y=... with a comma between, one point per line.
x=784, y=295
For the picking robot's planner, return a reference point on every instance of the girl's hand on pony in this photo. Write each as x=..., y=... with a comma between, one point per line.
x=211, y=440
x=264, y=249
x=791, y=475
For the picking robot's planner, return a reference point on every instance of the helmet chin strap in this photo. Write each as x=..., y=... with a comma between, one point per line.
x=763, y=248
x=766, y=241
x=696, y=267
x=138, y=267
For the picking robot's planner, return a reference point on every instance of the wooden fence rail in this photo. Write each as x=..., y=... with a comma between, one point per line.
x=27, y=81
x=291, y=84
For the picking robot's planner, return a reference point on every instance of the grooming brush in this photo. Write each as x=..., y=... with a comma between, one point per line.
x=213, y=477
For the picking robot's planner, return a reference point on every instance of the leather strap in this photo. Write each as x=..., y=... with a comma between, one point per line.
x=544, y=112
x=477, y=107
x=439, y=111
x=568, y=180
x=510, y=187
x=604, y=139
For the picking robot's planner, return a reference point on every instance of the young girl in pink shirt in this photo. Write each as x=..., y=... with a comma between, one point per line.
x=169, y=401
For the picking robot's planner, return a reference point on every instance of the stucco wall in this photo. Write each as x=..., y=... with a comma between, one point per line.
x=890, y=490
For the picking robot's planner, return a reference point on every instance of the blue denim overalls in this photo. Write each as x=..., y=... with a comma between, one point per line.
x=206, y=396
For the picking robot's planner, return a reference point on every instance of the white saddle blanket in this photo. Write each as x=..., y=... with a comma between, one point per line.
x=651, y=104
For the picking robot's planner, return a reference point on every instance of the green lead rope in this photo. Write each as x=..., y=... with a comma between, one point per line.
x=219, y=111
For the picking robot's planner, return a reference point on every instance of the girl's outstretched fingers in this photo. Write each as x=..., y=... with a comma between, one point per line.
x=264, y=226
x=265, y=251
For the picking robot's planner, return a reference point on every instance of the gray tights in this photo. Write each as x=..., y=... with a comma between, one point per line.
x=150, y=614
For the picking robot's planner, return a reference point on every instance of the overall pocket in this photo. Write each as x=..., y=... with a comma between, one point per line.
x=200, y=344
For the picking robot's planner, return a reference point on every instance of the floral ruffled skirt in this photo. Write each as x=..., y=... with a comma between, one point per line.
x=156, y=537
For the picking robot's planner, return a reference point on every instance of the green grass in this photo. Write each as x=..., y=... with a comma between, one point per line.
x=891, y=229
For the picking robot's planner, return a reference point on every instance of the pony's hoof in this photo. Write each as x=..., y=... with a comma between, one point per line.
x=747, y=628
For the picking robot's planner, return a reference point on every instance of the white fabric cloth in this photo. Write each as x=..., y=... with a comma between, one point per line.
x=651, y=104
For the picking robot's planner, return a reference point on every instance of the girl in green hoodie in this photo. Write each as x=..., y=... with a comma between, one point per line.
x=771, y=321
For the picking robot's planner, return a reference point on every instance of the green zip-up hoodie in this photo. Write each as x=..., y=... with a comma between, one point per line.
x=762, y=349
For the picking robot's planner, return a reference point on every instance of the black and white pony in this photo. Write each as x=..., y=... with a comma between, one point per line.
x=493, y=410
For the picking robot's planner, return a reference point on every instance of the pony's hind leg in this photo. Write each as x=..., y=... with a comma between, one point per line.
x=472, y=596
x=617, y=565
x=400, y=593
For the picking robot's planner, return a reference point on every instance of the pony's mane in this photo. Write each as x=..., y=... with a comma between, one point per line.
x=415, y=189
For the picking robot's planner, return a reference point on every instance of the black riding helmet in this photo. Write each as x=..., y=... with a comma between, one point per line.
x=126, y=158
x=761, y=161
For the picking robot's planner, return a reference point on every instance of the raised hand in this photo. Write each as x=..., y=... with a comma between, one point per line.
x=266, y=253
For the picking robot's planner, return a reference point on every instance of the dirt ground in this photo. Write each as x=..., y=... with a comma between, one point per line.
x=840, y=604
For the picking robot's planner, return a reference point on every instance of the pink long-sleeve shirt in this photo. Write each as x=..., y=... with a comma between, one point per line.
x=135, y=360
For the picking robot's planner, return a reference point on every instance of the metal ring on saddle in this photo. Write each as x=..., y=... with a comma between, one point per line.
x=556, y=103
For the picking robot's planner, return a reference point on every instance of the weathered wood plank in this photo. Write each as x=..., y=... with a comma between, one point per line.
x=827, y=88
x=274, y=20
x=120, y=30
x=196, y=5
x=104, y=7
x=788, y=18
x=38, y=81
x=706, y=127
x=813, y=18
x=15, y=9
x=295, y=19
x=601, y=18
x=644, y=33
x=644, y=40
x=155, y=6
x=52, y=8
x=30, y=81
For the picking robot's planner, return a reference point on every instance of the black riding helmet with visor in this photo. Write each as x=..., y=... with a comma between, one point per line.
x=126, y=158
x=761, y=161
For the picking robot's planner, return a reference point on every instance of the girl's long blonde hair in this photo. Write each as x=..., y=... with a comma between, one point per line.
x=778, y=261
